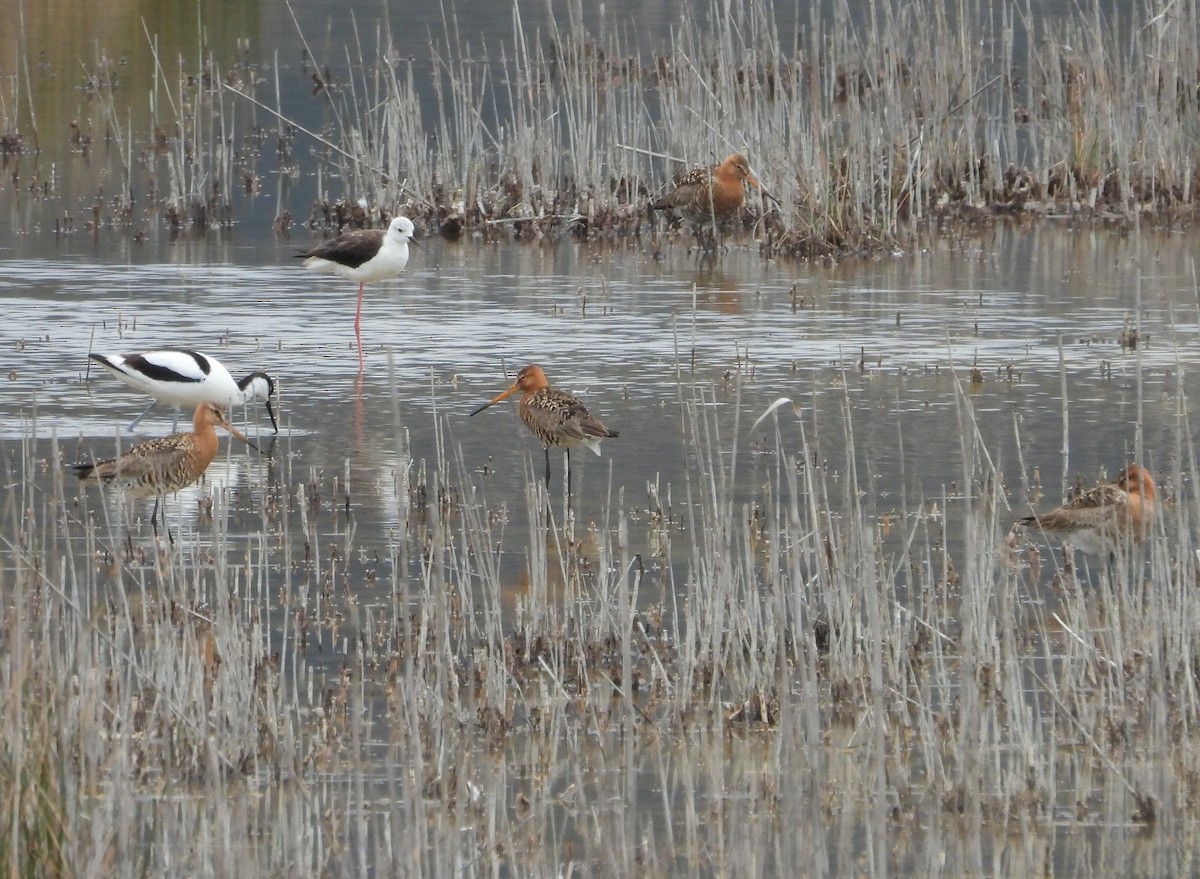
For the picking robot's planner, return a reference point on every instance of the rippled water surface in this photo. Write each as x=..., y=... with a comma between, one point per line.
x=889, y=342
x=616, y=323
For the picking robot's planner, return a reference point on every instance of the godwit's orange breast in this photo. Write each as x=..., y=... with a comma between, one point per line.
x=1102, y=519
x=711, y=193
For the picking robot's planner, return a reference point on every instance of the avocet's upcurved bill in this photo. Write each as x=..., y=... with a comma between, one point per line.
x=182, y=377
x=363, y=255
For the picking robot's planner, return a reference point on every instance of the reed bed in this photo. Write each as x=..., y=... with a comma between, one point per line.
x=867, y=126
x=749, y=671
x=864, y=129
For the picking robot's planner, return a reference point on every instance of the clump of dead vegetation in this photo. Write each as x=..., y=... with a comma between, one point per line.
x=860, y=130
x=863, y=129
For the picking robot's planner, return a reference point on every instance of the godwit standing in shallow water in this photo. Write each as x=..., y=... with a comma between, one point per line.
x=163, y=466
x=555, y=417
x=1102, y=519
x=363, y=255
x=182, y=377
x=710, y=196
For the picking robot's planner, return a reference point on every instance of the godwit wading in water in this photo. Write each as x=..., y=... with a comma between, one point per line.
x=181, y=377
x=363, y=255
x=1105, y=518
x=163, y=466
x=555, y=417
x=709, y=197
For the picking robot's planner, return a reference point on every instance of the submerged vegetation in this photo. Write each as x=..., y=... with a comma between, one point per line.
x=863, y=128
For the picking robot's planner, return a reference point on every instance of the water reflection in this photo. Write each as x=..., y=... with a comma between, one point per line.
x=77, y=77
x=895, y=336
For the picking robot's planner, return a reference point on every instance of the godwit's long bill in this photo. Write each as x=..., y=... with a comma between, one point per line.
x=167, y=464
x=182, y=377
x=1107, y=517
x=365, y=256
x=710, y=196
x=555, y=417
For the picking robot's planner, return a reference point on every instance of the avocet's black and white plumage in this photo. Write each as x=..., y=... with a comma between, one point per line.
x=363, y=255
x=181, y=377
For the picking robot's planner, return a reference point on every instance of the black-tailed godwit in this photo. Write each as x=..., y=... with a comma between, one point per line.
x=710, y=196
x=1106, y=517
x=555, y=417
x=165, y=465
x=181, y=377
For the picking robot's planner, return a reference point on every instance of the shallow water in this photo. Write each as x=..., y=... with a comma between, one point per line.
x=881, y=341
x=889, y=344
x=621, y=329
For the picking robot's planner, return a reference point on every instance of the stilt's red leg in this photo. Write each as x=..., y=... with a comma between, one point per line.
x=358, y=329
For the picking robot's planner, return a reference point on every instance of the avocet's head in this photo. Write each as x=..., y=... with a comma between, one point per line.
x=260, y=387
x=401, y=230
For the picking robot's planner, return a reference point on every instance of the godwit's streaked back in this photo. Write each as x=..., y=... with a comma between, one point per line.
x=165, y=465
x=708, y=195
x=1106, y=517
x=555, y=417
x=365, y=256
x=182, y=377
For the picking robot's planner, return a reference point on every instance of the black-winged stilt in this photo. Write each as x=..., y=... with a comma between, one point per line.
x=366, y=256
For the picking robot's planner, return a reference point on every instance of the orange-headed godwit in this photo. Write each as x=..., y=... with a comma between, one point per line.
x=186, y=378
x=555, y=417
x=1104, y=518
x=708, y=196
x=363, y=255
x=163, y=466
